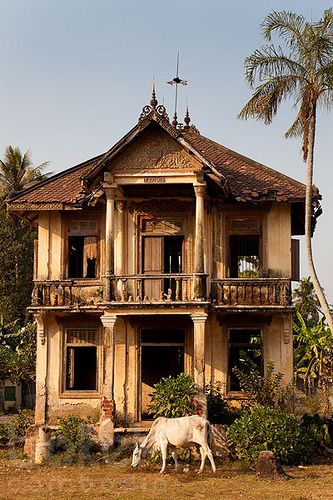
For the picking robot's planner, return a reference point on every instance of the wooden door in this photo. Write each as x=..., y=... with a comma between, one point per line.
x=153, y=264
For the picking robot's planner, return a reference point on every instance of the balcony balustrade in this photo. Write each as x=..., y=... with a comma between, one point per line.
x=251, y=293
x=165, y=288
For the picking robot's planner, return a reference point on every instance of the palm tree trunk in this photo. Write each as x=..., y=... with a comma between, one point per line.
x=308, y=212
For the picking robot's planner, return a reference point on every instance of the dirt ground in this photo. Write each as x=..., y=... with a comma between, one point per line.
x=21, y=479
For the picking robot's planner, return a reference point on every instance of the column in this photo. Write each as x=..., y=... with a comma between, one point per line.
x=41, y=370
x=199, y=248
x=199, y=327
x=110, y=193
x=120, y=205
x=108, y=356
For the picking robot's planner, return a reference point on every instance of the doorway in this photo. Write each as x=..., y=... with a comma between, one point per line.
x=162, y=355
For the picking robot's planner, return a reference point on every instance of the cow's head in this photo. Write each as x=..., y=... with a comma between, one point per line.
x=137, y=455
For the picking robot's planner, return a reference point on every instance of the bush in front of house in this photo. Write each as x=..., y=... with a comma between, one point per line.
x=73, y=440
x=264, y=428
x=219, y=410
x=173, y=397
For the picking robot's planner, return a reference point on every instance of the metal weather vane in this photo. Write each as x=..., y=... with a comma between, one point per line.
x=176, y=81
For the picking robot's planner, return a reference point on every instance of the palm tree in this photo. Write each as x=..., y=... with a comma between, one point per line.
x=17, y=172
x=302, y=72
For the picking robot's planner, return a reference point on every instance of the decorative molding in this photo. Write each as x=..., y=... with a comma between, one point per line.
x=155, y=151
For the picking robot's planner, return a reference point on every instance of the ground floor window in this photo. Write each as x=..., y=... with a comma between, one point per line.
x=81, y=359
x=244, y=345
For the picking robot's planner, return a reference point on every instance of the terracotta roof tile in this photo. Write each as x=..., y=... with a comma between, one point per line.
x=62, y=189
x=247, y=178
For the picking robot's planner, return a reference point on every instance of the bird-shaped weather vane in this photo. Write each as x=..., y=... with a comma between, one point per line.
x=176, y=81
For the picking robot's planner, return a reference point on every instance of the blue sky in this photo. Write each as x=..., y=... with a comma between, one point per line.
x=76, y=73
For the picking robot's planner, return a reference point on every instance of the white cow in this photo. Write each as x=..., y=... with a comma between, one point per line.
x=175, y=433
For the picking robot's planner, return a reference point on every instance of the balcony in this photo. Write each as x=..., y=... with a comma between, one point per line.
x=66, y=293
x=227, y=293
x=251, y=293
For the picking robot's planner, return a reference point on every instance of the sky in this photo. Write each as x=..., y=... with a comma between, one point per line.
x=75, y=74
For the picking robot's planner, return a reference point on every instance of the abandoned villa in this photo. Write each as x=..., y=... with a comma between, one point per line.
x=169, y=253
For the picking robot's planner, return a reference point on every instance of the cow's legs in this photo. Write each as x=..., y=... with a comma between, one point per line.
x=203, y=458
x=164, y=450
x=174, y=456
x=209, y=453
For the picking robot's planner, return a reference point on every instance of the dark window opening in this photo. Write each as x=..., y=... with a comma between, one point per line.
x=244, y=346
x=244, y=256
x=81, y=368
x=173, y=260
x=82, y=257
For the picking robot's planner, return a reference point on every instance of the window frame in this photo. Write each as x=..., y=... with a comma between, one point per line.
x=262, y=360
x=80, y=393
x=69, y=233
x=232, y=232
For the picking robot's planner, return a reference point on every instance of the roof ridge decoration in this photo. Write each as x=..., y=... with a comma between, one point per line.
x=153, y=110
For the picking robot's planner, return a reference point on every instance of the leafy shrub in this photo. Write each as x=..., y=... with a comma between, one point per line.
x=3, y=435
x=270, y=429
x=218, y=408
x=320, y=427
x=19, y=424
x=173, y=397
x=265, y=390
x=74, y=436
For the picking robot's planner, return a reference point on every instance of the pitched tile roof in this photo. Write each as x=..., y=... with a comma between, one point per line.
x=247, y=178
x=55, y=193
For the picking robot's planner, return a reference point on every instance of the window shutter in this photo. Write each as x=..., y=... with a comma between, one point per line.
x=295, y=261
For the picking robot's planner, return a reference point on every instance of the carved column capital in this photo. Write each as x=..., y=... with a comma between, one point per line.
x=110, y=190
x=200, y=190
x=199, y=318
x=108, y=321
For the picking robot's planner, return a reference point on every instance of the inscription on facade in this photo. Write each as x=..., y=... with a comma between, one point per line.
x=154, y=180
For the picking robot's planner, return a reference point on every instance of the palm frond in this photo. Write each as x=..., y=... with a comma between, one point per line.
x=266, y=99
x=269, y=61
x=286, y=24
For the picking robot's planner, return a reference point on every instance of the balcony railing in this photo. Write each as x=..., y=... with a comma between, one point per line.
x=156, y=287
x=254, y=292
x=66, y=293
x=175, y=288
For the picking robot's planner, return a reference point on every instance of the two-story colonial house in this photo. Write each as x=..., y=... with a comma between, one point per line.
x=168, y=253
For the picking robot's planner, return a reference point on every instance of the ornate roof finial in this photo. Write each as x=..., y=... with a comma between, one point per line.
x=174, y=120
x=187, y=118
x=153, y=100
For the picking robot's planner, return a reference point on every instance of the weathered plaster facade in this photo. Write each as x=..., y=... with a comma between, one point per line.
x=154, y=258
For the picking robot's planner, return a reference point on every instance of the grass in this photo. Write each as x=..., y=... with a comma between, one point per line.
x=22, y=479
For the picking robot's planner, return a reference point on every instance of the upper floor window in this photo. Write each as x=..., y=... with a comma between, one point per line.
x=82, y=249
x=244, y=248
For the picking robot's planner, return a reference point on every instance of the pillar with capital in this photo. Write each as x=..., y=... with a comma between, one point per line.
x=41, y=370
x=199, y=247
x=110, y=193
x=108, y=323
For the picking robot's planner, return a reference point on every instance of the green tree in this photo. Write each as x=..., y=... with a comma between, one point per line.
x=18, y=172
x=16, y=257
x=313, y=354
x=301, y=71
x=306, y=301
